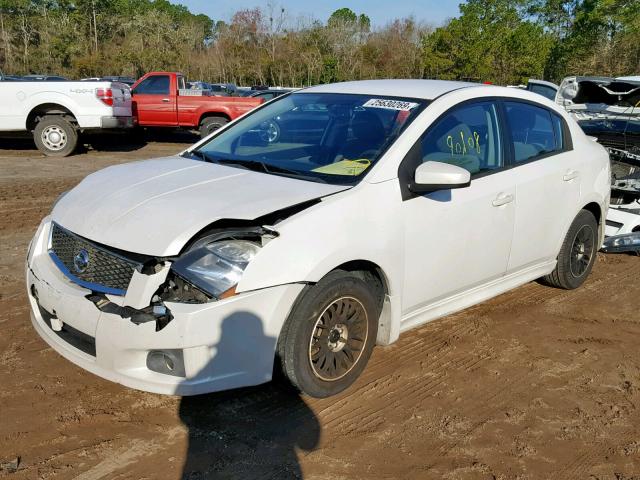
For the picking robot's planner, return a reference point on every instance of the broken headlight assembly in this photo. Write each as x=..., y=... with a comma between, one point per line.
x=215, y=266
x=627, y=242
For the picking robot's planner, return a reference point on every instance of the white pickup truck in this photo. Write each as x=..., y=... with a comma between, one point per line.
x=57, y=112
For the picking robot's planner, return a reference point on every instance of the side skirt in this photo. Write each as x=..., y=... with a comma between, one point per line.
x=475, y=295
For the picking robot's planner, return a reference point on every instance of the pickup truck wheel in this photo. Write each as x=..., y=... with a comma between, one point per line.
x=577, y=254
x=55, y=136
x=329, y=335
x=211, y=124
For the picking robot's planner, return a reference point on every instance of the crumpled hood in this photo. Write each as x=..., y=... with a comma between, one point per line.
x=155, y=207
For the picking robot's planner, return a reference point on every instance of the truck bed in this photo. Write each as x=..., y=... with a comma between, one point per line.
x=20, y=98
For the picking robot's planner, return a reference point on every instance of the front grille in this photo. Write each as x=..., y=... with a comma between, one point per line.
x=90, y=265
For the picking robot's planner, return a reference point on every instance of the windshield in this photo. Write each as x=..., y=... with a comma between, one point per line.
x=324, y=137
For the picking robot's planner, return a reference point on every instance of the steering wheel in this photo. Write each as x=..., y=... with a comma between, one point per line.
x=367, y=154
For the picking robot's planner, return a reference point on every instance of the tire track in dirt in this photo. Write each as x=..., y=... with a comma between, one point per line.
x=455, y=398
x=407, y=389
x=128, y=454
x=594, y=454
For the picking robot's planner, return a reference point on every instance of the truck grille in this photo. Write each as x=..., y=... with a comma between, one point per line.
x=90, y=265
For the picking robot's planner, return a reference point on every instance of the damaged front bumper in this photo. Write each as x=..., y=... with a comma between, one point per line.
x=609, y=110
x=623, y=217
x=205, y=347
x=625, y=243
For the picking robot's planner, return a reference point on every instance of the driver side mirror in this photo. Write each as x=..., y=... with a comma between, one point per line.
x=432, y=176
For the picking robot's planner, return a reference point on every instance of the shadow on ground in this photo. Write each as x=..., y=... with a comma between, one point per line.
x=247, y=433
x=127, y=141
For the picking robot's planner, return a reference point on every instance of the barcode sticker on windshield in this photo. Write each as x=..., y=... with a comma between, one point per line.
x=390, y=104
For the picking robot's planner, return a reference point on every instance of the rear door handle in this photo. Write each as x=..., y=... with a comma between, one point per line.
x=570, y=175
x=502, y=199
x=165, y=100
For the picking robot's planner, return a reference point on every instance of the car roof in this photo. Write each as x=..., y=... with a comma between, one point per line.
x=633, y=78
x=424, y=89
x=535, y=81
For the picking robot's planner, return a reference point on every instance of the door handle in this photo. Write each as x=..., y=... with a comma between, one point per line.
x=165, y=100
x=502, y=199
x=570, y=175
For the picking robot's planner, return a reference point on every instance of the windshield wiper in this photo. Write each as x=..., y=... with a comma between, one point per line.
x=264, y=167
x=256, y=165
x=248, y=164
x=198, y=154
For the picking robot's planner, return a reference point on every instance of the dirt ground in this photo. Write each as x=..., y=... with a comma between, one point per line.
x=535, y=384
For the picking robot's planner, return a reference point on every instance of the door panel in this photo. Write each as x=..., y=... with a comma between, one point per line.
x=460, y=238
x=153, y=102
x=155, y=109
x=547, y=184
x=457, y=239
x=548, y=192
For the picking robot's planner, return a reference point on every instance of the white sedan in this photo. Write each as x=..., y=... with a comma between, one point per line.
x=321, y=224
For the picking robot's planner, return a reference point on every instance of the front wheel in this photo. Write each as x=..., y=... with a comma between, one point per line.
x=577, y=254
x=55, y=136
x=329, y=336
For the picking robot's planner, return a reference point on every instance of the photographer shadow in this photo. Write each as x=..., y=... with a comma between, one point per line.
x=247, y=433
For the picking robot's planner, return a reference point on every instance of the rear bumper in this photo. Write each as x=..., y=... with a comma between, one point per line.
x=225, y=344
x=116, y=122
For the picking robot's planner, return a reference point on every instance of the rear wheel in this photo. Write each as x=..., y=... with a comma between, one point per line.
x=55, y=136
x=329, y=335
x=578, y=253
x=209, y=125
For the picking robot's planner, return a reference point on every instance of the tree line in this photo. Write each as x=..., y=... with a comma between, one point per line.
x=499, y=41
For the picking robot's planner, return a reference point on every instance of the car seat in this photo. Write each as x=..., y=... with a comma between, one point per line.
x=368, y=135
x=454, y=147
x=522, y=120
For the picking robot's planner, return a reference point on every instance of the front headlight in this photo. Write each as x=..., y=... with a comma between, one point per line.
x=217, y=267
x=627, y=242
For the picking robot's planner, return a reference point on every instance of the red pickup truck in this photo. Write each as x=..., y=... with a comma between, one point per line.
x=161, y=99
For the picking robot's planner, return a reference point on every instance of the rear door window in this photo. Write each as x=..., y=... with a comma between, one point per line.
x=543, y=90
x=535, y=131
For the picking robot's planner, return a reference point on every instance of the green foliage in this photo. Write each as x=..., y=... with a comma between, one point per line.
x=93, y=37
x=345, y=17
x=502, y=41
x=490, y=41
x=342, y=15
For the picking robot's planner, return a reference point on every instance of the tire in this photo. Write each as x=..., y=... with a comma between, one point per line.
x=339, y=297
x=577, y=254
x=270, y=131
x=136, y=136
x=209, y=125
x=55, y=136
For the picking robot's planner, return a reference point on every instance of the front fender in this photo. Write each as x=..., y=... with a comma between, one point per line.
x=358, y=224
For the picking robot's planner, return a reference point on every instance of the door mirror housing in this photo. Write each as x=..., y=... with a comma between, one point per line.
x=432, y=176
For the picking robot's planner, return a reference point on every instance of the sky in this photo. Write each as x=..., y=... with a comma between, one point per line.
x=379, y=11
